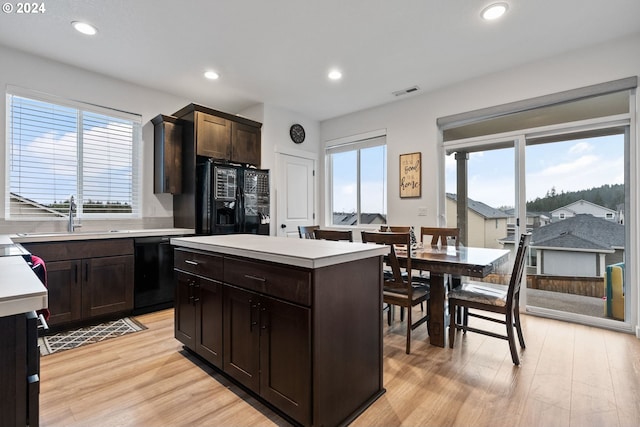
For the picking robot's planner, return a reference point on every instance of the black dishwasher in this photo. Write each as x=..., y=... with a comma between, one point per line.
x=154, y=286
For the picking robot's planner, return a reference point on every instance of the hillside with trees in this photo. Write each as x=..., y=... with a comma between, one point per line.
x=609, y=196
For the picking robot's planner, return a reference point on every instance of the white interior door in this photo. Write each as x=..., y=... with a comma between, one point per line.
x=295, y=194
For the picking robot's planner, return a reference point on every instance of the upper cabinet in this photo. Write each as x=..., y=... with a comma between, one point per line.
x=167, y=153
x=213, y=136
x=221, y=135
x=245, y=147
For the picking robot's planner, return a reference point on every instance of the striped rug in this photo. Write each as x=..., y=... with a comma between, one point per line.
x=88, y=335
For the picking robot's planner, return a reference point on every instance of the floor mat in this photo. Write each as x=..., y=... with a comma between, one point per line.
x=88, y=335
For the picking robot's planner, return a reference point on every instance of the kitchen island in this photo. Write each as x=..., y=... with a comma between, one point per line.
x=297, y=322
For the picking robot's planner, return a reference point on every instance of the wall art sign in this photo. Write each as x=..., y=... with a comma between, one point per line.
x=411, y=175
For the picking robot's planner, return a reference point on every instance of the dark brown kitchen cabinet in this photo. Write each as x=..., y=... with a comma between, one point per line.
x=107, y=285
x=167, y=153
x=213, y=136
x=198, y=316
x=87, y=279
x=245, y=146
x=185, y=310
x=65, y=291
x=19, y=370
x=221, y=136
x=198, y=306
x=267, y=349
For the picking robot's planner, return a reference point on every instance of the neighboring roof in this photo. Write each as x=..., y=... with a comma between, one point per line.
x=569, y=207
x=480, y=208
x=530, y=214
x=583, y=231
x=352, y=218
x=35, y=208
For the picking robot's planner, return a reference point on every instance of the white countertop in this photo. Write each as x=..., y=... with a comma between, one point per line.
x=306, y=253
x=91, y=235
x=20, y=289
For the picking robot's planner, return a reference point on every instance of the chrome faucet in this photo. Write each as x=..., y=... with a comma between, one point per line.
x=72, y=209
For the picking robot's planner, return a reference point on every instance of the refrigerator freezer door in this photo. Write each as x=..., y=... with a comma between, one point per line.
x=225, y=184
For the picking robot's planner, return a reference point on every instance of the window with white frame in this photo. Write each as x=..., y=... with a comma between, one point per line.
x=357, y=182
x=60, y=149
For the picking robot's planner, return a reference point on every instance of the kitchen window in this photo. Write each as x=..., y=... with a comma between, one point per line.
x=58, y=148
x=357, y=182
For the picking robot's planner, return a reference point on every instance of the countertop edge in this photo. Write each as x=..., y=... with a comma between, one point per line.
x=288, y=259
x=21, y=291
x=64, y=237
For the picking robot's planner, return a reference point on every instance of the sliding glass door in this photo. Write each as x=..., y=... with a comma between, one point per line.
x=575, y=196
x=569, y=188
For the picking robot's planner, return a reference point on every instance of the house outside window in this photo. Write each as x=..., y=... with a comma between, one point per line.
x=357, y=183
x=57, y=149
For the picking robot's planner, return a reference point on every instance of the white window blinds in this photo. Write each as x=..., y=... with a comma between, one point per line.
x=56, y=151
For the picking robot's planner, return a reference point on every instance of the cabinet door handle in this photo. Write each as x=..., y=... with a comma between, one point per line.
x=188, y=261
x=43, y=323
x=264, y=319
x=252, y=308
x=75, y=272
x=191, y=284
x=195, y=298
x=259, y=279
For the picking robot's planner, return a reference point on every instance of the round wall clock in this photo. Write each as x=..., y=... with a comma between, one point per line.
x=297, y=133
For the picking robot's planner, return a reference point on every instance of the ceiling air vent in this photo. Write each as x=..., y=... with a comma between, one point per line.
x=405, y=91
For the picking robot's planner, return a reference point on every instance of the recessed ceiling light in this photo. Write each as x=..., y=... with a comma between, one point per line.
x=212, y=75
x=494, y=11
x=335, y=75
x=84, y=28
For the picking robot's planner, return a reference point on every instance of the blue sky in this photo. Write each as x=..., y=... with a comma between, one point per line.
x=567, y=166
x=374, y=180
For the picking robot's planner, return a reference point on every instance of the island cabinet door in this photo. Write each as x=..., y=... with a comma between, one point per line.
x=185, y=310
x=208, y=300
x=285, y=361
x=241, y=336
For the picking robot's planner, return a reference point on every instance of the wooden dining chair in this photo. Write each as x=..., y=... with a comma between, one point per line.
x=398, y=288
x=335, y=235
x=440, y=236
x=396, y=228
x=307, y=231
x=501, y=299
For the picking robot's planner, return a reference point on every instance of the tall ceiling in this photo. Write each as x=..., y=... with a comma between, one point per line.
x=279, y=52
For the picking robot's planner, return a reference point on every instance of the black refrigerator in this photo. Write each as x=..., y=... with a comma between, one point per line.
x=231, y=199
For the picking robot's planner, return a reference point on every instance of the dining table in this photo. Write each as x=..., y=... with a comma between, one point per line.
x=441, y=261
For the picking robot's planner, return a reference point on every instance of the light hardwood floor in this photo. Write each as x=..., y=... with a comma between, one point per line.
x=570, y=375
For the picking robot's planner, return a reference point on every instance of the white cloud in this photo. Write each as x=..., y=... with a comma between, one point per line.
x=583, y=173
x=581, y=147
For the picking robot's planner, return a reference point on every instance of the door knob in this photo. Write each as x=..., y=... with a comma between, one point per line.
x=283, y=225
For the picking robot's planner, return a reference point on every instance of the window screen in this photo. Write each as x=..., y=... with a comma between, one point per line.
x=56, y=150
